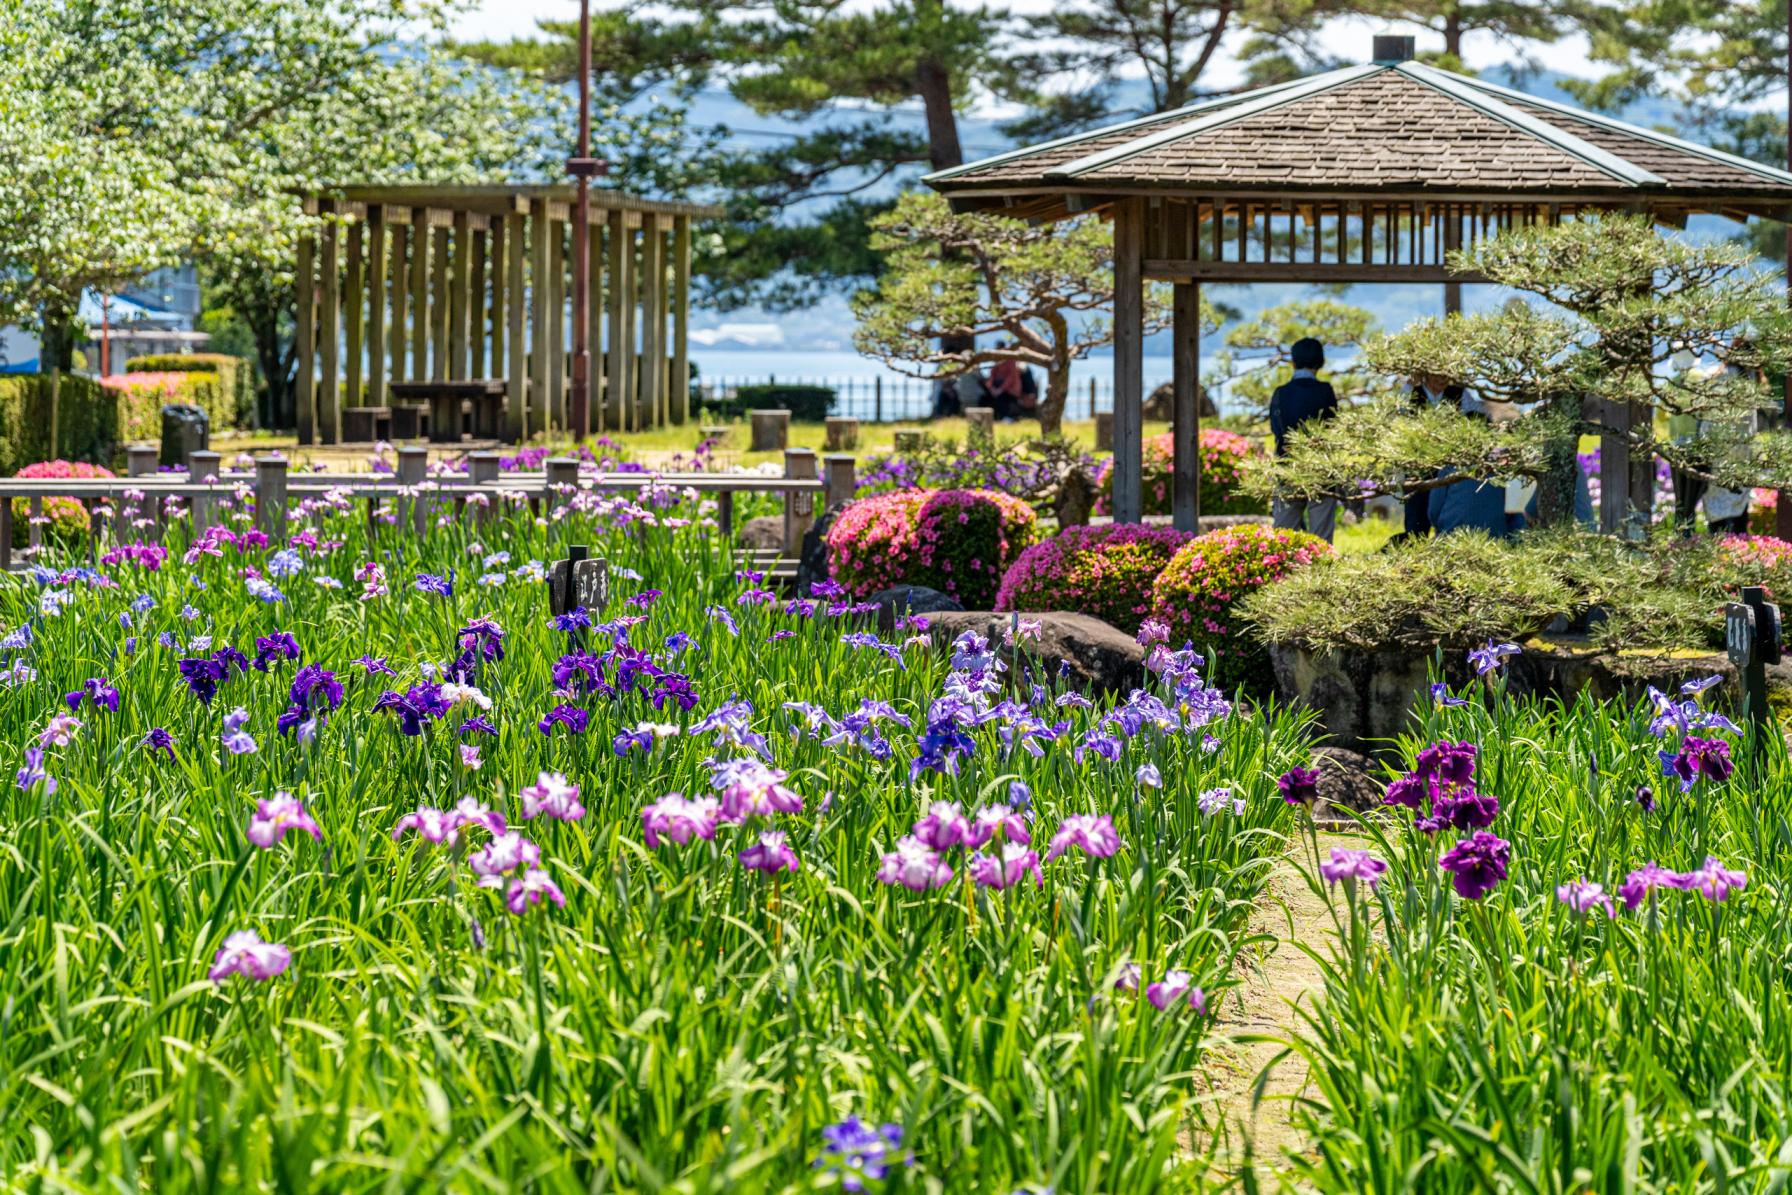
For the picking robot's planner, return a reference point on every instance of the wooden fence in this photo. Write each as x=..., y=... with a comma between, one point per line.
x=415, y=494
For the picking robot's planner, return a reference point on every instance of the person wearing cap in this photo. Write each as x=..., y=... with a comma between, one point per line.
x=1303, y=397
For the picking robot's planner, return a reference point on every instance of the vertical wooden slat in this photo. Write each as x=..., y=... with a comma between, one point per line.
x=476, y=307
x=555, y=412
x=305, y=336
x=329, y=329
x=617, y=357
x=516, y=311
x=594, y=332
x=459, y=283
x=354, y=304
x=419, y=294
x=1185, y=411
x=681, y=326
x=1129, y=376
x=653, y=325
x=400, y=234
x=440, y=313
x=540, y=301
x=376, y=306
x=500, y=281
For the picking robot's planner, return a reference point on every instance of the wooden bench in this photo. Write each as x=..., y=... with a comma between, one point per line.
x=483, y=397
x=364, y=425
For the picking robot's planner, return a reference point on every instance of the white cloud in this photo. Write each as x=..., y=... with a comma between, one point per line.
x=748, y=335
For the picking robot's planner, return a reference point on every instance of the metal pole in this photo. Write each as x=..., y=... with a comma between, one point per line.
x=582, y=167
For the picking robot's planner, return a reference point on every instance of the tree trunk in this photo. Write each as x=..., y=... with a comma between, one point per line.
x=1555, y=489
x=1057, y=396
x=268, y=355
x=933, y=82
x=1453, y=35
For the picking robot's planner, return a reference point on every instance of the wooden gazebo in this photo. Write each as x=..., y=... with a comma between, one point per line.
x=444, y=291
x=1366, y=174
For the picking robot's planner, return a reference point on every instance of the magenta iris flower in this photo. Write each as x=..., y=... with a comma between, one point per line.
x=432, y=824
x=276, y=815
x=1698, y=757
x=1639, y=883
x=553, y=796
x=1299, y=786
x=1173, y=988
x=748, y=788
x=1349, y=865
x=245, y=954
x=914, y=865
x=770, y=854
x=680, y=819
x=945, y=827
x=1714, y=881
x=1583, y=896
x=59, y=731
x=505, y=853
x=1128, y=978
x=530, y=889
x=1002, y=822
x=1447, y=762
x=1093, y=833
x=1008, y=866
x=1477, y=864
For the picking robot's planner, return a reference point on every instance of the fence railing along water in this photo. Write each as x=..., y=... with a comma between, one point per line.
x=413, y=495
x=895, y=399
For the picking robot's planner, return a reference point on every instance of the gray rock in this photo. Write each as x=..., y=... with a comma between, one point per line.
x=1347, y=779
x=812, y=561
x=904, y=600
x=1162, y=399
x=1099, y=656
x=765, y=532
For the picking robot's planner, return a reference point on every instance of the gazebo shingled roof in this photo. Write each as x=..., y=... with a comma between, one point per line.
x=1369, y=173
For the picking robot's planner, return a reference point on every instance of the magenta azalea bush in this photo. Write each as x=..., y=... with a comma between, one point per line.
x=1225, y=459
x=65, y=519
x=1107, y=571
x=1197, y=591
x=959, y=542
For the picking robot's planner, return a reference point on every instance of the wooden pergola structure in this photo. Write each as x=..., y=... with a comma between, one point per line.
x=1366, y=174
x=409, y=285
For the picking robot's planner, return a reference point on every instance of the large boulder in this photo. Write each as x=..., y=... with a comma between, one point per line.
x=812, y=562
x=764, y=533
x=1162, y=401
x=1096, y=656
x=1346, y=779
x=904, y=600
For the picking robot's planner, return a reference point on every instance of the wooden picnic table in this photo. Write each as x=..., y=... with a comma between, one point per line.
x=447, y=399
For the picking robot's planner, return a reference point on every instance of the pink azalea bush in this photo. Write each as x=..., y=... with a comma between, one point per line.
x=1197, y=591
x=959, y=542
x=1225, y=459
x=1107, y=571
x=67, y=519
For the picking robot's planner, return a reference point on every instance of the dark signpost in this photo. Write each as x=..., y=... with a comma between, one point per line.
x=1752, y=635
x=581, y=580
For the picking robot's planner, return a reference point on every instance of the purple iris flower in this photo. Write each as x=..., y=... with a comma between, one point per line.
x=158, y=740
x=722, y=616
x=630, y=739
x=575, y=619
x=1698, y=757
x=1477, y=864
x=858, y=1152
x=570, y=716
x=476, y=725
x=314, y=688
x=440, y=586
x=865, y=639
x=278, y=646
x=33, y=772
x=484, y=636
x=203, y=675
x=1461, y=807
x=1486, y=659
x=96, y=689
x=1440, y=693
x=1639, y=883
x=374, y=664
x=1448, y=763
x=415, y=707
x=1299, y=786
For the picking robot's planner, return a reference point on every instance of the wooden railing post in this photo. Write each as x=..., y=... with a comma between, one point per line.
x=142, y=459
x=799, y=506
x=270, y=498
x=562, y=471
x=413, y=471
x=842, y=479
x=202, y=466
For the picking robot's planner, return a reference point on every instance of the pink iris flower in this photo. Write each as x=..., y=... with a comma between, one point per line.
x=770, y=854
x=505, y=853
x=914, y=865
x=552, y=795
x=533, y=887
x=1352, y=865
x=679, y=819
x=946, y=827
x=435, y=826
x=276, y=815
x=1008, y=867
x=1093, y=832
x=1001, y=821
x=245, y=954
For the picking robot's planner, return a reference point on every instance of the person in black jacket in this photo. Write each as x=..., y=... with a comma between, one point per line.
x=1429, y=390
x=1300, y=398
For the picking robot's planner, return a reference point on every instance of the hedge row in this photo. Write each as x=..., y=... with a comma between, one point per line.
x=86, y=420
x=806, y=404
x=220, y=383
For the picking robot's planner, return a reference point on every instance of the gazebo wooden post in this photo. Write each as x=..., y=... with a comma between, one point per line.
x=540, y=304
x=376, y=306
x=615, y=367
x=440, y=313
x=305, y=337
x=400, y=234
x=1129, y=364
x=460, y=280
x=681, y=320
x=478, y=311
x=516, y=310
x=1185, y=407
x=553, y=411
x=419, y=294
x=499, y=268
x=354, y=312
x=328, y=327
x=653, y=323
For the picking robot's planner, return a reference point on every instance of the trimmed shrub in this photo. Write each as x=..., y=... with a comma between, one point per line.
x=1197, y=594
x=228, y=394
x=86, y=420
x=1225, y=459
x=67, y=521
x=1107, y=571
x=806, y=404
x=959, y=542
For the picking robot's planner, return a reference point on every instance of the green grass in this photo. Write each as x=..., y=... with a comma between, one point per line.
x=682, y=1024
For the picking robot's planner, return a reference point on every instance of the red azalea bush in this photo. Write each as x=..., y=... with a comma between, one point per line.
x=956, y=541
x=66, y=519
x=1197, y=591
x=1225, y=458
x=1107, y=571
